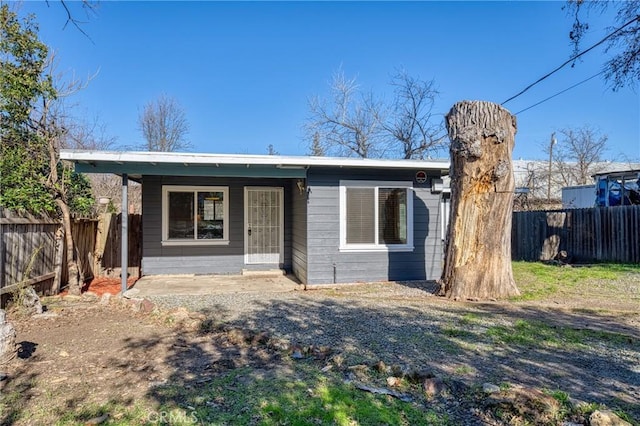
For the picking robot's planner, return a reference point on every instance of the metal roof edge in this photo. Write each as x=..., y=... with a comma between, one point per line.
x=234, y=159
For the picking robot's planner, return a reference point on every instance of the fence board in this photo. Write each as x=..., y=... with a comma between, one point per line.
x=108, y=259
x=32, y=250
x=607, y=234
x=28, y=248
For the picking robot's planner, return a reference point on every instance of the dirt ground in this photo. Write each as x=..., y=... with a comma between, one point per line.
x=82, y=354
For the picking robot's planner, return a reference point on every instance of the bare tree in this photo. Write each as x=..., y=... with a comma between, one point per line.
x=105, y=185
x=410, y=122
x=623, y=40
x=349, y=124
x=316, y=149
x=355, y=123
x=271, y=150
x=164, y=125
x=92, y=135
x=49, y=120
x=87, y=134
x=578, y=155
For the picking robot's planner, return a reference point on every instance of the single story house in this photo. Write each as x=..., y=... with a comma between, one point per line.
x=326, y=220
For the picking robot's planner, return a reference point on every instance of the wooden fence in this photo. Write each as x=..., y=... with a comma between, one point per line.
x=32, y=250
x=29, y=251
x=599, y=234
x=108, y=258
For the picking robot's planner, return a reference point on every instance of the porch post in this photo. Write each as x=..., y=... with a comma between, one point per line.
x=125, y=231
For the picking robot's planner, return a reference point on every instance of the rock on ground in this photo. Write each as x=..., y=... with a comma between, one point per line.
x=8, y=347
x=606, y=418
x=31, y=301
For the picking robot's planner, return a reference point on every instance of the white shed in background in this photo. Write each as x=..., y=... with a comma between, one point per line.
x=578, y=197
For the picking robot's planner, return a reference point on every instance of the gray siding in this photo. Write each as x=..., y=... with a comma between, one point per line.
x=299, y=233
x=326, y=264
x=229, y=259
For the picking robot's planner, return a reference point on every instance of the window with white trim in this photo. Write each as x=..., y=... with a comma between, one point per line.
x=376, y=216
x=195, y=215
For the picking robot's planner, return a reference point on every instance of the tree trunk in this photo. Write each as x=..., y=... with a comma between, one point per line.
x=72, y=263
x=56, y=186
x=478, y=252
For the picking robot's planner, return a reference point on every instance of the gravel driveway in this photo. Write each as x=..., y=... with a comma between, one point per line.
x=404, y=324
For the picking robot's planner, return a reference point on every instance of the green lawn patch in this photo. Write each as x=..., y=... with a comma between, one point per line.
x=538, y=280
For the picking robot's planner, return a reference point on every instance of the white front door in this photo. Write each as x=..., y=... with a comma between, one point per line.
x=264, y=225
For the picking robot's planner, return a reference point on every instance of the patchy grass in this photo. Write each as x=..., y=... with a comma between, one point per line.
x=303, y=395
x=539, y=334
x=112, y=413
x=116, y=413
x=311, y=397
x=463, y=370
x=470, y=318
x=538, y=281
x=456, y=332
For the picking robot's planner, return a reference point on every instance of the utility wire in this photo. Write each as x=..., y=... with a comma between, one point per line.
x=559, y=93
x=573, y=58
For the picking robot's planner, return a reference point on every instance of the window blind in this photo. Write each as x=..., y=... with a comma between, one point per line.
x=361, y=225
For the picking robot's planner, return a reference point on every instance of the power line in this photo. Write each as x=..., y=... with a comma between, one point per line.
x=559, y=93
x=573, y=58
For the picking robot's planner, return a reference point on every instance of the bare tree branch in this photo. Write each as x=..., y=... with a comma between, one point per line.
x=89, y=8
x=359, y=124
x=164, y=125
x=350, y=124
x=623, y=42
x=410, y=123
x=578, y=155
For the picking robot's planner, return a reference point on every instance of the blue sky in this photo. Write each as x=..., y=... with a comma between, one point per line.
x=244, y=71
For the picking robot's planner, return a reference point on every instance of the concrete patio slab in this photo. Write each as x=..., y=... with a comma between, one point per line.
x=162, y=285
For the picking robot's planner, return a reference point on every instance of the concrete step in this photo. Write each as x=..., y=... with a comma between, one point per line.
x=263, y=272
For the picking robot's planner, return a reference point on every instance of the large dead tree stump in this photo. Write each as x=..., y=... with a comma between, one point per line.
x=478, y=250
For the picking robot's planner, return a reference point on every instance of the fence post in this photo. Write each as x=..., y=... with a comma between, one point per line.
x=102, y=234
x=125, y=232
x=2, y=250
x=57, y=280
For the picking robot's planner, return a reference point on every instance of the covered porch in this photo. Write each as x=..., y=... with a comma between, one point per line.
x=206, y=214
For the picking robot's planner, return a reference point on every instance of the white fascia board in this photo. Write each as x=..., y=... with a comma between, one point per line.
x=233, y=159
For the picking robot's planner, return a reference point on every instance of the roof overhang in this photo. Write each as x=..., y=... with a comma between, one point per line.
x=137, y=164
x=626, y=174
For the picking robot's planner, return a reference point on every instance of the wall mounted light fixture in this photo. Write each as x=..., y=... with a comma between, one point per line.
x=301, y=186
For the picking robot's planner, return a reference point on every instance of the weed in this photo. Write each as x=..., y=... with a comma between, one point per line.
x=624, y=416
x=585, y=409
x=505, y=386
x=463, y=370
x=456, y=332
x=23, y=292
x=564, y=400
x=207, y=326
x=469, y=318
